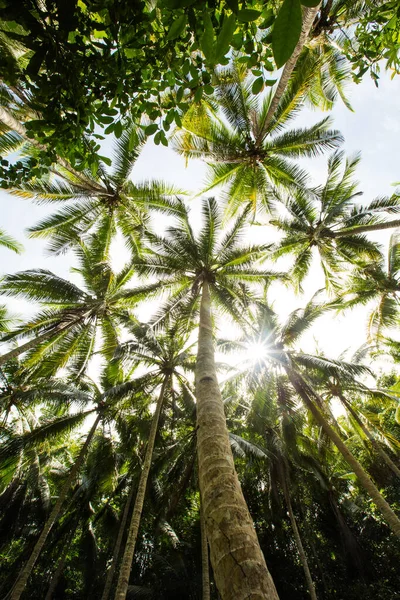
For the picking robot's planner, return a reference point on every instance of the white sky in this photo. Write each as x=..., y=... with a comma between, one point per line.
x=373, y=129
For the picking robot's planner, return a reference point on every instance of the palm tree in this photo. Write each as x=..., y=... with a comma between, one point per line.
x=103, y=201
x=308, y=16
x=12, y=449
x=376, y=281
x=166, y=357
x=331, y=387
x=106, y=404
x=243, y=154
x=274, y=432
x=329, y=219
x=65, y=330
x=217, y=271
x=278, y=342
x=21, y=393
x=323, y=71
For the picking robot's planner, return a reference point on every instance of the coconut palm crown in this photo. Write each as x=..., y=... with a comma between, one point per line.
x=65, y=329
x=243, y=155
x=100, y=201
x=182, y=260
x=330, y=219
x=377, y=282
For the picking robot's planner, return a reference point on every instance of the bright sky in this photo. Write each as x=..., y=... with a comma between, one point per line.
x=373, y=129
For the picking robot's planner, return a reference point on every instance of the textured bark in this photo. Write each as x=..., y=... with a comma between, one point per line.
x=369, y=435
x=238, y=563
x=33, y=342
x=363, y=477
x=117, y=547
x=299, y=543
x=309, y=15
x=366, y=229
x=126, y=564
x=23, y=577
x=205, y=569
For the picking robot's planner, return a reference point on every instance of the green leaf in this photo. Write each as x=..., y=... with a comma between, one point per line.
x=286, y=31
x=257, y=85
x=248, y=14
x=270, y=82
x=198, y=94
x=207, y=39
x=225, y=36
x=130, y=52
x=163, y=139
x=150, y=129
x=310, y=3
x=100, y=34
x=104, y=119
x=106, y=160
x=177, y=28
x=118, y=129
x=110, y=128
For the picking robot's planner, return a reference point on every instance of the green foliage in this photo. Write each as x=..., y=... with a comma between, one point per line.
x=286, y=31
x=73, y=73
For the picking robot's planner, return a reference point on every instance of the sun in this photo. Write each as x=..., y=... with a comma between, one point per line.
x=256, y=351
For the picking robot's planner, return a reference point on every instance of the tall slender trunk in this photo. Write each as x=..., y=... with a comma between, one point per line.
x=297, y=537
x=23, y=577
x=61, y=565
x=126, y=564
x=205, y=568
x=34, y=342
x=118, y=543
x=366, y=228
x=309, y=15
x=388, y=514
x=369, y=436
x=238, y=563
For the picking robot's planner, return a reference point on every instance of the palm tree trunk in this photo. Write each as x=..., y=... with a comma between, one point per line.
x=205, y=569
x=366, y=228
x=237, y=560
x=23, y=577
x=297, y=537
x=117, y=547
x=309, y=15
x=34, y=342
x=362, y=475
x=369, y=436
x=126, y=564
x=60, y=567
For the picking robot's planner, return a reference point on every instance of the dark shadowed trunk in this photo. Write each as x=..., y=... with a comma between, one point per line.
x=126, y=564
x=23, y=577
